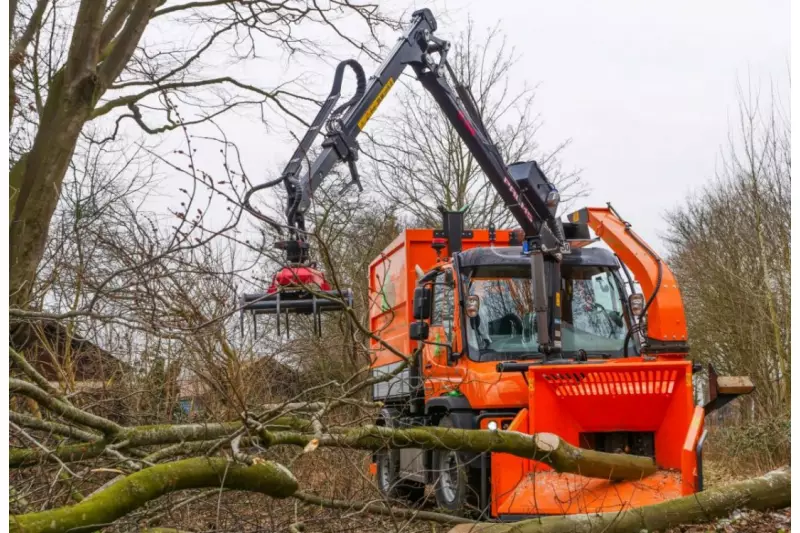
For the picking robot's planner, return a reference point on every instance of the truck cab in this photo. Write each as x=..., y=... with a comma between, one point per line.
x=498, y=322
x=482, y=313
x=459, y=306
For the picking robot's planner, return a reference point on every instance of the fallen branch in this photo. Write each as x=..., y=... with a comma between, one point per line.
x=139, y=436
x=770, y=491
x=32, y=373
x=135, y=490
x=64, y=409
x=544, y=447
x=50, y=427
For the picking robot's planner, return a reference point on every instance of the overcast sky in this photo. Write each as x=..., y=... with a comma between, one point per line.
x=645, y=90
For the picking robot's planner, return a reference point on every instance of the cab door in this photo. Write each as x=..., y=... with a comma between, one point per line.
x=438, y=376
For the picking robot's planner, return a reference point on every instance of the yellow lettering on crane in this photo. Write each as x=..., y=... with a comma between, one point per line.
x=375, y=103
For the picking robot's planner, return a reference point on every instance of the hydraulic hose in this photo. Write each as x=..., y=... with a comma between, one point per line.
x=255, y=212
x=361, y=84
x=291, y=169
x=650, y=300
x=557, y=228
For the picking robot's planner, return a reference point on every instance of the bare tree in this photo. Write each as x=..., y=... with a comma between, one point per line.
x=90, y=61
x=730, y=245
x=419, y=161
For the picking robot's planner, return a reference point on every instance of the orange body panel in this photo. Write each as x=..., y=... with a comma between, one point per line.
x=551, y=493
x=688, y=455
x=619, y=395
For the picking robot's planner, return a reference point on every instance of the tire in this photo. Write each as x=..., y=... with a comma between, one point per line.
x=458, y=483
x=389, y=482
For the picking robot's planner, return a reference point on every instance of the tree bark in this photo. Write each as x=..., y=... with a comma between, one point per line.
x=36, y=178
x=771, y=491
x=135, y=490
x=544, y=447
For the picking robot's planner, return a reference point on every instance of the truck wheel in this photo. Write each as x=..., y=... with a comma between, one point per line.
x=458, y=484
x=389, y=482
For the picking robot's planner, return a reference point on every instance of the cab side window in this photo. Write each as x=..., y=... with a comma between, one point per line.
x=443, y=306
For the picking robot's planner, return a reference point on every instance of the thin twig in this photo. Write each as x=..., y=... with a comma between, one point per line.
x=43, y=447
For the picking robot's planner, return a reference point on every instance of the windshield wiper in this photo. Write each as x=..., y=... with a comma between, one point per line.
x=533, y=355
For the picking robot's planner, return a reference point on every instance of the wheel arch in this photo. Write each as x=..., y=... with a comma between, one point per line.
x=460, y=412
x=458, y=407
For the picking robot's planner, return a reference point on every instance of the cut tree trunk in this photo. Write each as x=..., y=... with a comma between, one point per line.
x=770, y=491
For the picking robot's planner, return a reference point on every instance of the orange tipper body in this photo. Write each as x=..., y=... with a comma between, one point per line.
x=581, y=402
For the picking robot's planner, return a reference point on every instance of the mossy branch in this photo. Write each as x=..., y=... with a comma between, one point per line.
x=544, y=447
x=140, y=436
x=64, y=409
x=50, y=427
x=32, y=373
x=135, y=490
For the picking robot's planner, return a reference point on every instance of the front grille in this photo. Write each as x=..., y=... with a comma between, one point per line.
x=612, y=383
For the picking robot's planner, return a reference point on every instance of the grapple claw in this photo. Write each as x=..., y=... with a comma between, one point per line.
x=297, y=289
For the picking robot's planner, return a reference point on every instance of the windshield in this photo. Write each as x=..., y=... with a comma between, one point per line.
x=505, y=328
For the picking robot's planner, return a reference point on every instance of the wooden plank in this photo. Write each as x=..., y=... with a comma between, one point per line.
x=735, y=385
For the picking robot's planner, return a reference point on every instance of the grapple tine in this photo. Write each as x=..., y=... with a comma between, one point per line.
x=314, y=314
x=297, y=289
x=278, y=313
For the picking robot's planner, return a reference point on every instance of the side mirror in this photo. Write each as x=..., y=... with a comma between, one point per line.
x=422, y=303
x=636, y=303
x=453, y=357
x=419, y=330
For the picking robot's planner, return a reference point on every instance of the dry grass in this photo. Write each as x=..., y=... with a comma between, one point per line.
x=746, y=449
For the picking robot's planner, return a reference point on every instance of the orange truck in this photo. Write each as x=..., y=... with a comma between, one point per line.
x=622, y=383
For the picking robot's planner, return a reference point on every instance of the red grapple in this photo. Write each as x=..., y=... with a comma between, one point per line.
x=297, y=289
x=299, y=276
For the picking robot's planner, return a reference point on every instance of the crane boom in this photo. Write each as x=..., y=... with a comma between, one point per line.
x=527, y=193
x=531, y=198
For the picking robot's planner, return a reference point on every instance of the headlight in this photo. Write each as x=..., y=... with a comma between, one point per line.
x=552, y=199
x=492, y=425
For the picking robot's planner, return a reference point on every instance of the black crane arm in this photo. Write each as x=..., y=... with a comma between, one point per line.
x=525, y=190
x=527, y=193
